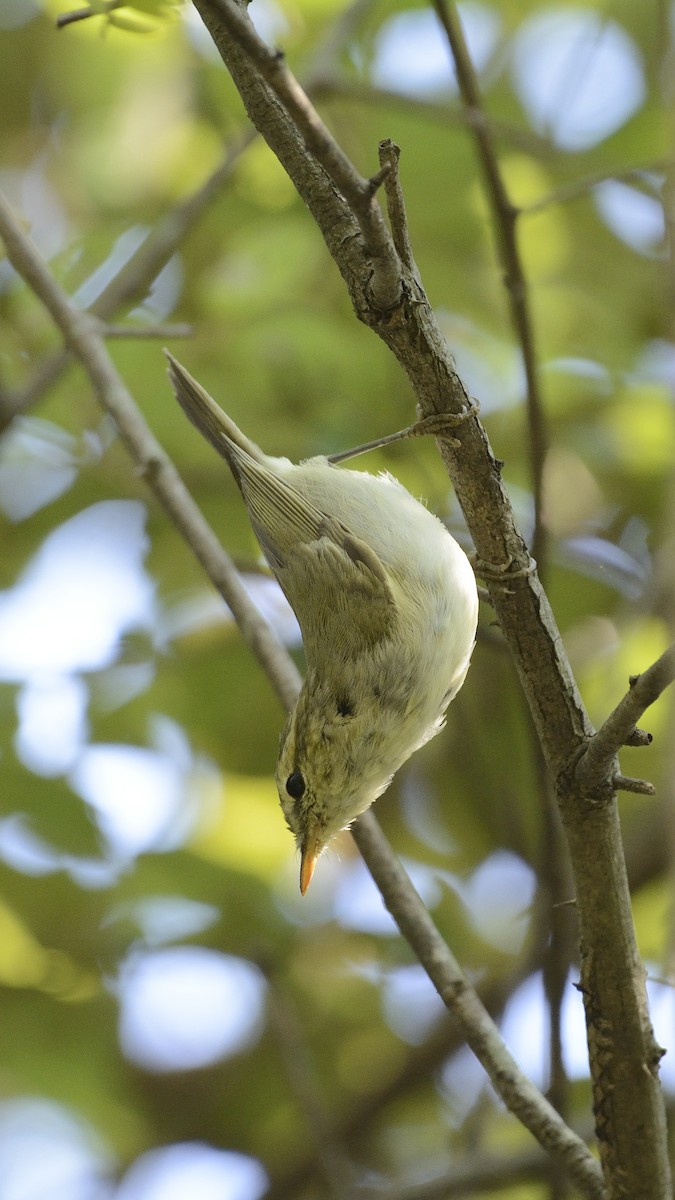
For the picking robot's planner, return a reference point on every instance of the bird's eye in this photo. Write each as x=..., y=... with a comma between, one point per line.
x=345, y=707
x=295, y=785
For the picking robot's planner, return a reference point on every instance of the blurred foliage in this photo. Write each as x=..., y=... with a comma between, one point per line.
x=105, y=133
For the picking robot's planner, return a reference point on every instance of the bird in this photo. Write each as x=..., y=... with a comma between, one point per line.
x=387, y=604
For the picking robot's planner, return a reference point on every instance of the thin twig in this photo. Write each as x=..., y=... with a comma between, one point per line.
x=336, y=1171
x=145, y=332
x=517, y=1091
x=82, y=14
x=86, y=344
x=133, y=279
x=598, y=759
x=479, y=1173
x=506, y=215
x=444, y=113
x=389, y=154
x=627, y=783
x=341, y=33
x=578, y=188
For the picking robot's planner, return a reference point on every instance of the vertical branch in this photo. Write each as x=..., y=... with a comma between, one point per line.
x=330, y=1157
x=557, y=894
x=666, y=564
x=506, y=216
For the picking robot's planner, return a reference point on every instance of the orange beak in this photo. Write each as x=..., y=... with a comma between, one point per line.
x=309, y=855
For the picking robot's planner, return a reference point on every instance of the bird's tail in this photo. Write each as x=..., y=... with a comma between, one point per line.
x=208, y=417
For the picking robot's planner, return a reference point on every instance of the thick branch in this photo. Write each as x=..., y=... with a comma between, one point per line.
x=626, y=1087
x=386, y=284
x=411, y=332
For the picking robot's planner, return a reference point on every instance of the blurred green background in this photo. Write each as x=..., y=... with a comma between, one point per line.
x=172, y=1015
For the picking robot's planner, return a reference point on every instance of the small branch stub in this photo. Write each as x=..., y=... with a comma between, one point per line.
x=596, y=764
x=390, y=154
x=639, y=737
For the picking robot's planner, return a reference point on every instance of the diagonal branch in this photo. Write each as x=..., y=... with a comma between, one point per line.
x=86, y=344
x=133, y=279
x=93, y=10
x=458, y=994
x=575, y=189
x=386, y=284
x=413, y=335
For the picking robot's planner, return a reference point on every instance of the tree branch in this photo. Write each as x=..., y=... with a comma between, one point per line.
x=505, y=219
x=627, y=1095
x=333, y=1166
x=440, y=111
x=389, y=154
x=359, y=193
x=480, y=1174
x=517, y=1091
x=598, y=761
x=85, y=342
x=93, y=10
x=133, y=279
x=577, y=188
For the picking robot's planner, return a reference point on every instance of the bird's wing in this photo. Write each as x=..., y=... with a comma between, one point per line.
x=335, y=582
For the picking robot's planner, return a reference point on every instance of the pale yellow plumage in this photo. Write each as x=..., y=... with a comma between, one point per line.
x=387, y=604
